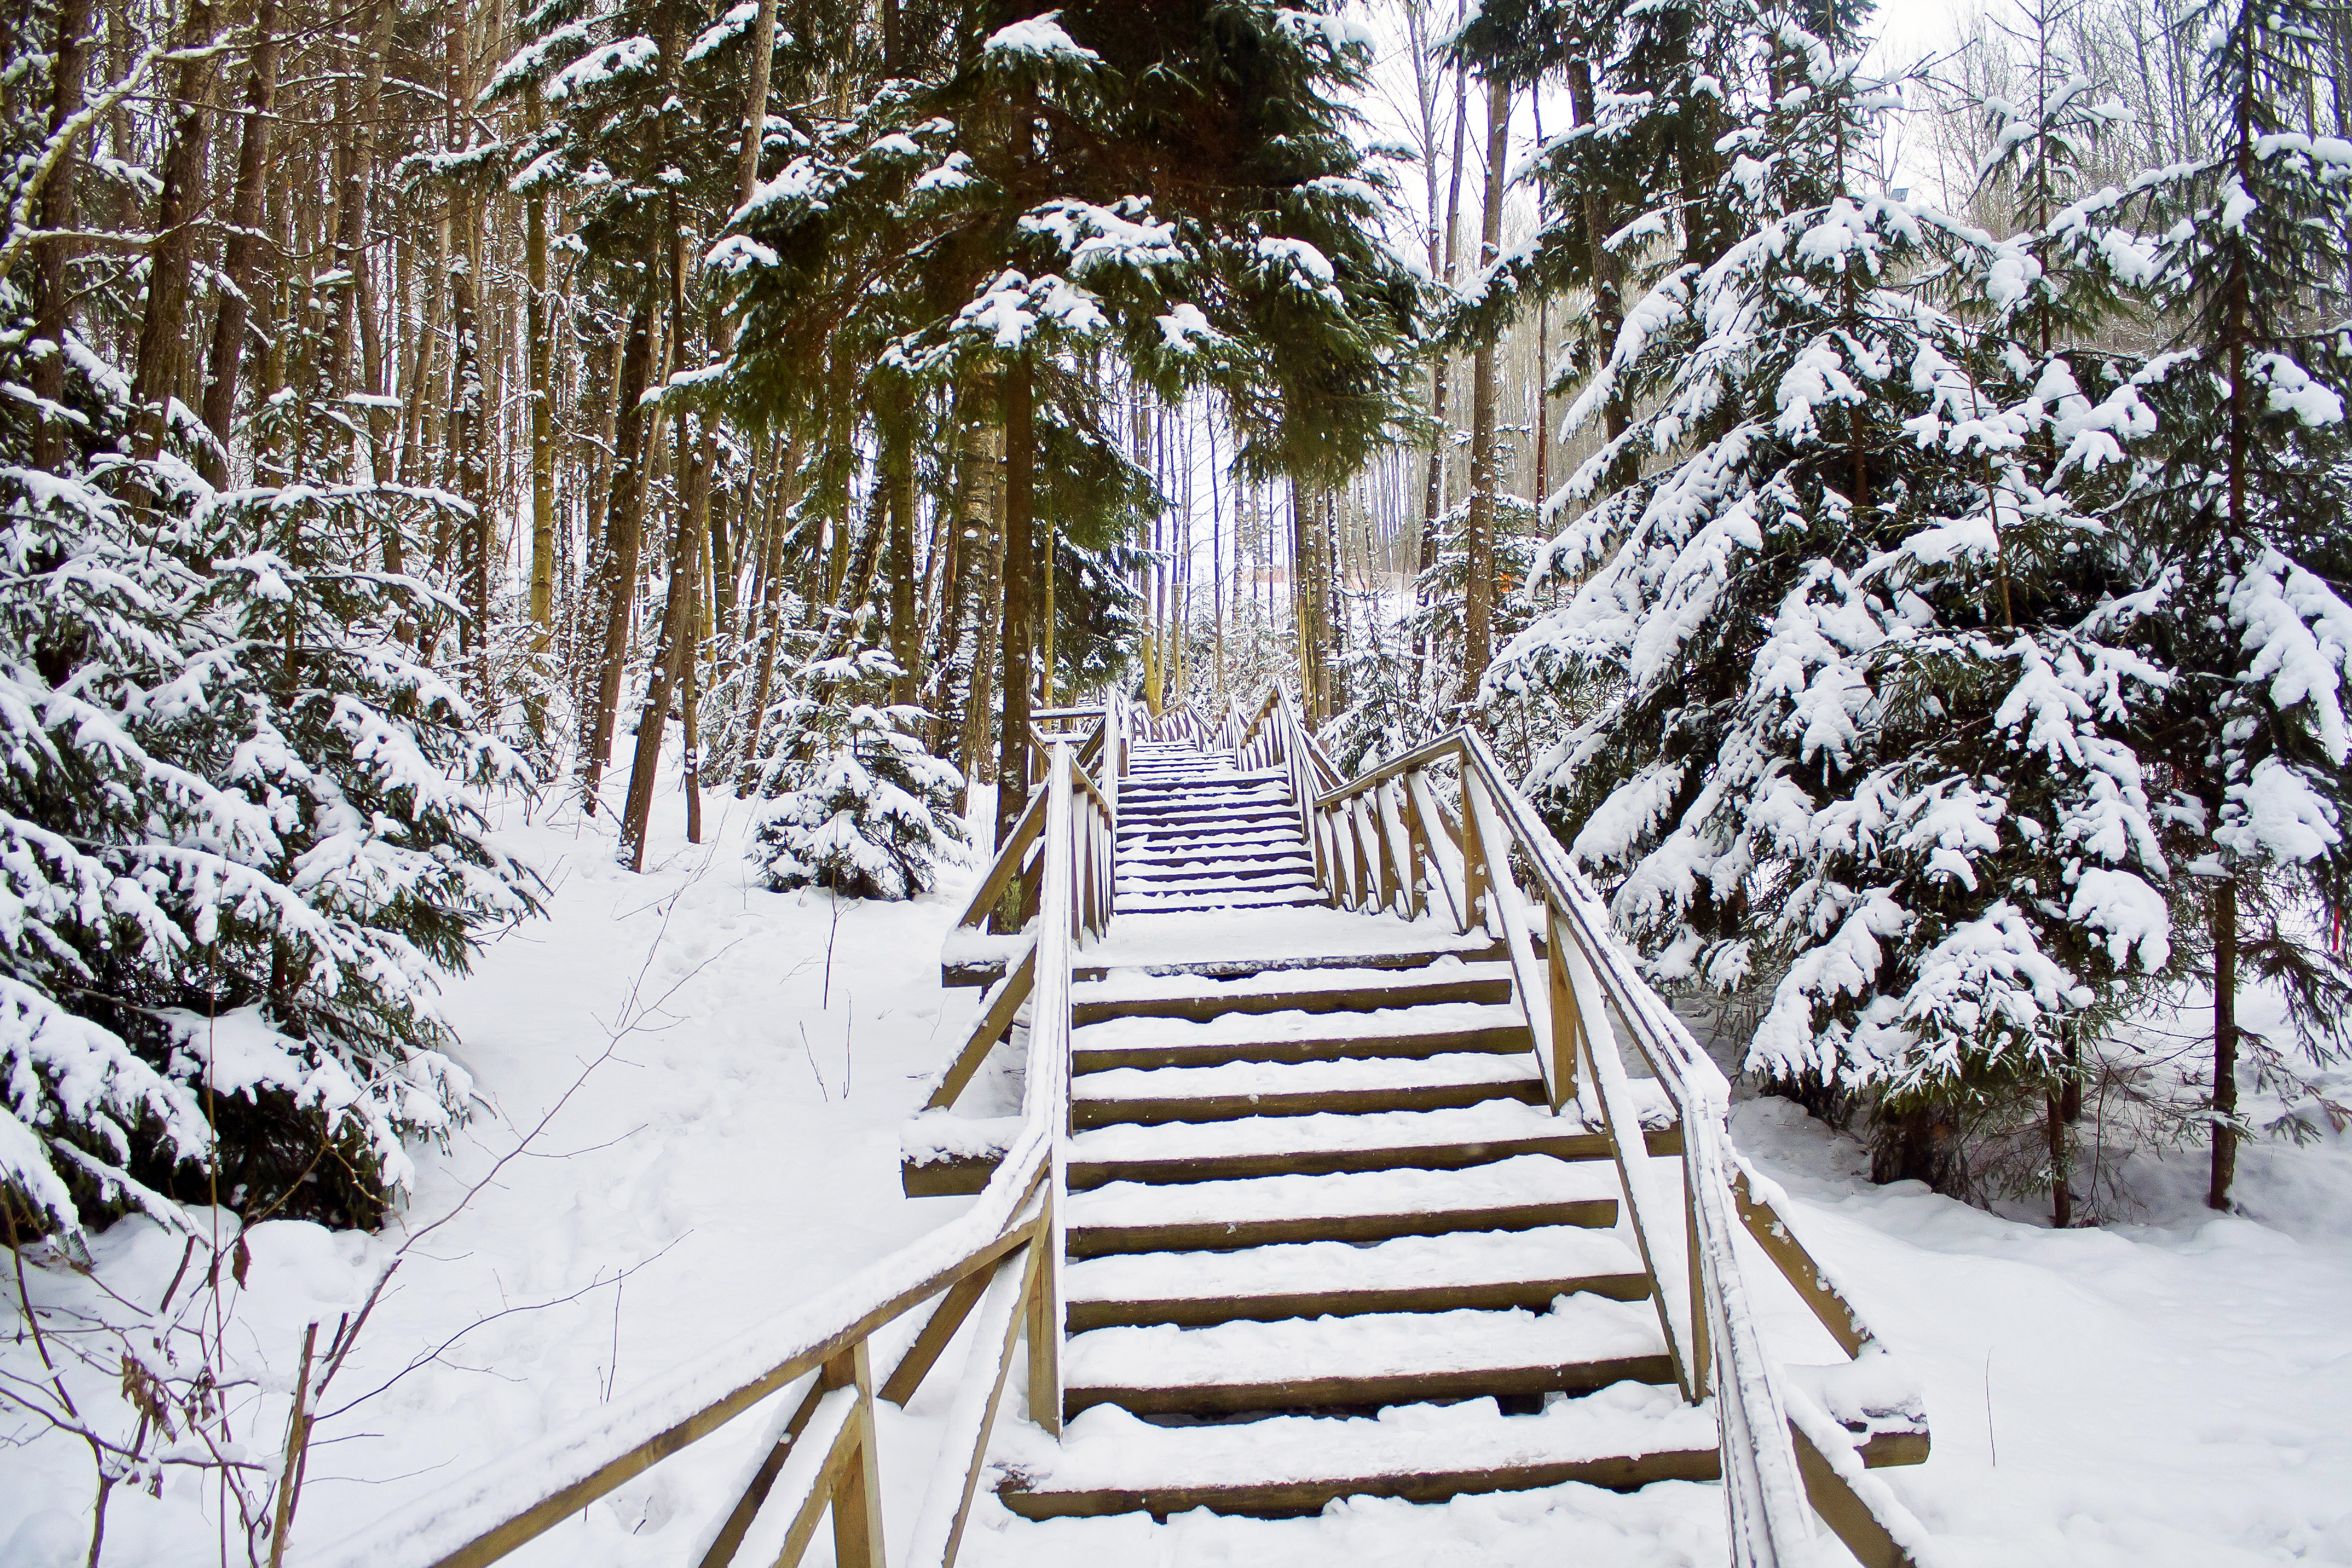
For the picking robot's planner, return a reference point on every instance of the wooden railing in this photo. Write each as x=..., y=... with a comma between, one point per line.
x=1388, y=840
x=812, y=1367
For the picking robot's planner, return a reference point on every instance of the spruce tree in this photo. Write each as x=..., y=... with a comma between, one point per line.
x=2238, y=528
x=1856, y=740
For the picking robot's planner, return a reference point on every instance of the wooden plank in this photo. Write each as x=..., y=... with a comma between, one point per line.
x=723, y=1545
x=857, y=1485
x=1445, y=853
x=996, y=1012
x=1843, y=1510
x=1214, y=1235
x=1530, y=1295
x=1085, y=1115
x=531, y=1520
x=1086, y=1174
x=1007, y=863
x=1567, y=1020
x=1780, y=1245
x=1292, y=1499
x=1396, y=1388
x=970, y=1421
x=1509, y=906
x=841, y=1451
x=958, y=1176
x=1405, y=991
x=1506, y=1040
x=1402, y=851
x=938, y=1331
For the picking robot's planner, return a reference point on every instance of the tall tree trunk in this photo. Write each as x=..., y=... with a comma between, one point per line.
x=157, y=369
x=771, y=589
x=1020, y=572
x=615, y=575
x=2225, y=1043
x=675, y=639
x=52, y=293
x=541, y=350
x=468, y=408
x=898, y=473
x=1478, y=591
x=1434, y=489
x=1608, y=280
x=985, y=536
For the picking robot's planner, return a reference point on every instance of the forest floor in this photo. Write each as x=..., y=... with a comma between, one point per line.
x=727, y=1070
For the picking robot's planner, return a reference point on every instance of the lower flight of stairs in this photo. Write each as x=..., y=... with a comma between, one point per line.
x=1324, y=1240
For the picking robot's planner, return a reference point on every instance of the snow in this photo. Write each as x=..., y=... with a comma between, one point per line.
x=1410, y=1262
x=1579, y=1328
x=2174, y=1391
x=1515, y=1182
x=1038, y=38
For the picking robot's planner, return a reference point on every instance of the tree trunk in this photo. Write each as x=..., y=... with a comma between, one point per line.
x=542, y=352
x=1020, y=570
x=1608, y=279
x=2225, y=1044
x=676, y=639
x=157, y=370
x=1478, y=590
x=897, y=474
x=771, y=588
x=616, y=568
x=52, y=295
x=469, y=408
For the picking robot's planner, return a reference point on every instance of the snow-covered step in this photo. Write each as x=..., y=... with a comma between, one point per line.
x=1526, y=1192
x=1110, y=1461
x=1172, y=903
x=1237, y=1088
x=1129, y=994
x=1179, y=1153
x=1217, y=886
x=1584, y=1341
x=1490, y=1271
x=1241, y=1035
x=1222, y=861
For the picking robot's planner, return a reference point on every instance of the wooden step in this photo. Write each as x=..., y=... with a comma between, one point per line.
x=1583, y=1343
x=1176, y=903
x=1621, y=1437
x=1527, y=1193
x=1239, y=966
x=1346, y=1085
x=1170, y=1154
x=1502, y=1040
x=1324, y=991
x=1490, y=1272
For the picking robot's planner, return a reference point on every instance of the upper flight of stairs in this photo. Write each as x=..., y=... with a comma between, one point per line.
x=1195, y=833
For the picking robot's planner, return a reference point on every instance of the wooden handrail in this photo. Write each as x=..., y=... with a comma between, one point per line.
x=821, y=1453
x=1782, y=1458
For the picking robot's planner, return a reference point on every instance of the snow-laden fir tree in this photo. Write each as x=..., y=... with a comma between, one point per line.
x=2238, y=533
x=1857, y=743
x=858, y=806
x=244, y=822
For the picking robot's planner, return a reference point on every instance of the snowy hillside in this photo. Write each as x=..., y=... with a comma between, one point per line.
x=2178, y=1392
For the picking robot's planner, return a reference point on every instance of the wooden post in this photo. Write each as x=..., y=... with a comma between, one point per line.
x=1702, y=1341
x=1567, y=1023
x=858, y=1493
x=1474, y=856
x=1044, y=1334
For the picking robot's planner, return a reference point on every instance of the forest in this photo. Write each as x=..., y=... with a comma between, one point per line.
x=1879, y=479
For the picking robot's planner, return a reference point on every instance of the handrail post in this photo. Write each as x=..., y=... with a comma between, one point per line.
x=1049, y=1074
x=857, y=1492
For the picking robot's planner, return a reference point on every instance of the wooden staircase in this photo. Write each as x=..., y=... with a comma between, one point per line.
x=1331, y=1178
x=1306, y=1196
